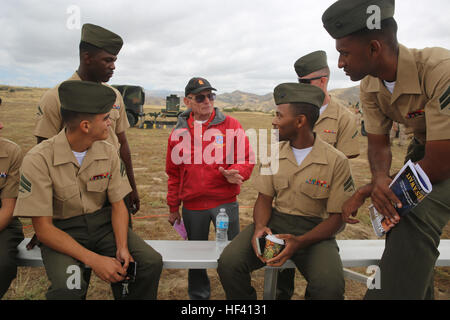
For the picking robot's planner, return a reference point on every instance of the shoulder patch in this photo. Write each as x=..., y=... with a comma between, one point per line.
x=444, y=102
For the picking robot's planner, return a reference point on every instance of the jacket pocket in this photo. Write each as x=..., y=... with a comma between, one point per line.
x=311, y=199
x=314, y=191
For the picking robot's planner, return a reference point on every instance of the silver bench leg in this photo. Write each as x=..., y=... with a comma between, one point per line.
x=270, y=283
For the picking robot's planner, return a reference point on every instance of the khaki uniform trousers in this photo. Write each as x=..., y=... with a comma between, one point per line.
x=94, y=232
x=319, y=263
x=10, y=237
x=410, y=254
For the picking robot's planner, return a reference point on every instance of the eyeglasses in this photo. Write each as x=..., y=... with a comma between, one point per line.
x=199, y=98
x=308, y=81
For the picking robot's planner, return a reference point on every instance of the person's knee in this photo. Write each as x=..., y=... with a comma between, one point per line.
x=230, y=263
x=151, y=261
x=156, y=263
x=227, y=263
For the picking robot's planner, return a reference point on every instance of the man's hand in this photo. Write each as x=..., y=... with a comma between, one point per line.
x=109, y=269
x=124, y=257
x=380, y=159
x=33, y=242
x=232, y=176
x=259, y=233
x=174, y=217
x=383, y=198
x=351, y=206
x=134, y=202
x=292, y=244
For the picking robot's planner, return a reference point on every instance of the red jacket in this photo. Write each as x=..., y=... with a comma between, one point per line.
x=194, y=155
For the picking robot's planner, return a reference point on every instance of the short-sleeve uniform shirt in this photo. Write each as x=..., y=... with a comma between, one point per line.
x=337, y=126
x=49, y=122
x=319, y=186
x=52, y=183
x=10, y=161
x=421, y=97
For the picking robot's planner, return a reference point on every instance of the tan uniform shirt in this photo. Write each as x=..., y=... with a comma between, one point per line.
x=338, y=127
x=420, y=99
x=320, y=185
x=49, y=121
x=52, y=183
x=10, y=161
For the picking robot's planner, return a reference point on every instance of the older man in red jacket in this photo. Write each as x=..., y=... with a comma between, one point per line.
x=208, y=158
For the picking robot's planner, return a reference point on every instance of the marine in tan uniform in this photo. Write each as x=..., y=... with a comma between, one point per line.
x=72, y=186
x=307, y=191
x=336, y=124
x=98, y=52
x=411, y=87
x=10, y=228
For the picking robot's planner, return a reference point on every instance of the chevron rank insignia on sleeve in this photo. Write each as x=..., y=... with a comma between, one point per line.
x=24, y=185
x=444, y=102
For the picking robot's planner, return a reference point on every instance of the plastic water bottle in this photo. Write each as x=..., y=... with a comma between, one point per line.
x=221, y=229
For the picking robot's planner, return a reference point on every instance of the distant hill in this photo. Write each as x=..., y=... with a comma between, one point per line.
x=236, y=100
x=245, y=101
x=347, y=95
x=239, y=100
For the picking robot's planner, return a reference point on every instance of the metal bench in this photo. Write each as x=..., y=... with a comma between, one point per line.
x=179, y=254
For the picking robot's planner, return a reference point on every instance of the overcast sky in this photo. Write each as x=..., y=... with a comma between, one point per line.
x=248, y=45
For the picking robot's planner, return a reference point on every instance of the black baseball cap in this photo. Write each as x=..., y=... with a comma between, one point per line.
x=196, y=85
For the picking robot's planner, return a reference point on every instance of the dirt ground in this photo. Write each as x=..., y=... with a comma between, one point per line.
x=148, y=154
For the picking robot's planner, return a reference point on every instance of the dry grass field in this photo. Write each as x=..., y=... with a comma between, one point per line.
x=148, y=153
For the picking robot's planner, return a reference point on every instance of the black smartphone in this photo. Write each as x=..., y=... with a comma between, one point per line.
x=131, y=271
